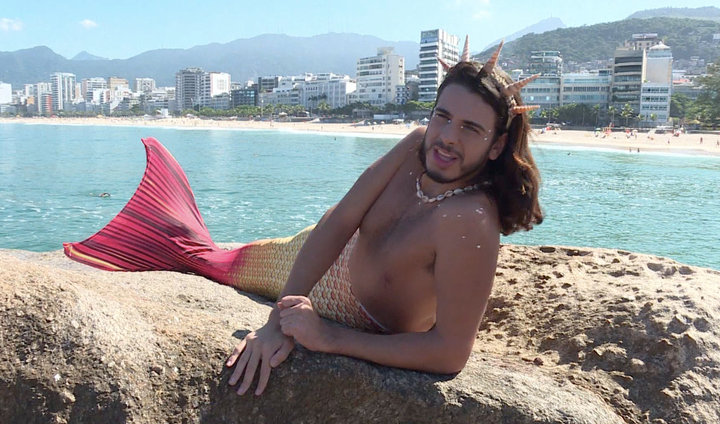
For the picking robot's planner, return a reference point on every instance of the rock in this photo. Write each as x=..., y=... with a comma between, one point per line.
x=130, y=347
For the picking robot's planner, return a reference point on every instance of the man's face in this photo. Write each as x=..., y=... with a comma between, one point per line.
x=460, y=137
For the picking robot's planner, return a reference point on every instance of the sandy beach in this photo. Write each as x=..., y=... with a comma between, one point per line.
x=684, y=144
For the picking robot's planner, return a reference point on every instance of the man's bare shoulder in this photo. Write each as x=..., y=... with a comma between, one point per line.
x=414, y=138
x=466, y=221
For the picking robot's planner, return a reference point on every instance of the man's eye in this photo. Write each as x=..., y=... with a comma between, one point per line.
x=471, y=128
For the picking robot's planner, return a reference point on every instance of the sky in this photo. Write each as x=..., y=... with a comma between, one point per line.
x=119, y=30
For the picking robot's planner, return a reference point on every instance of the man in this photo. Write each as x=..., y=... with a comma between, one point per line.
x=428, y=216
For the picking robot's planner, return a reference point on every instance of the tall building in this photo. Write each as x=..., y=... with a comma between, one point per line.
x=433, y=44
x=642, y=41
x=657, y=86
x=659, y=60
x=378, y=77
x=63, y=90
x=591, y=88
x=546, y=63
x=268, y=84
x=144, y=85
x=90, y=85
x=188, y=87
x=5, y=93
x=544, y=91
x=331, y=88
x=213, y=84
x=244, y=97
x=117, y=86
x=628, y=75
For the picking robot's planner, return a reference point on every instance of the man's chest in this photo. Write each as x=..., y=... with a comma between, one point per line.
x=399, y=224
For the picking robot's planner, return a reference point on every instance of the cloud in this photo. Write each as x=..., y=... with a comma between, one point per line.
x=11, y=24
x=481, y=14
x=88, y=24
x=478, y=9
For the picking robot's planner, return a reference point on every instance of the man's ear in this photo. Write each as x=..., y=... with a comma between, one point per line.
x=498, y=147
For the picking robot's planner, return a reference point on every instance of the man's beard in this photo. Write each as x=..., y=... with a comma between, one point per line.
x=473, y=172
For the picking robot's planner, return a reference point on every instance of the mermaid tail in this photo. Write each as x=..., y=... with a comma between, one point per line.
x=161, y=229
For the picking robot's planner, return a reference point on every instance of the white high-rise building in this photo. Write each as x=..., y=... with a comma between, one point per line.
x=657, y=84
x=90, y=85
x=433, y=44
x=659, y=64
x=378, y=77
x=5, y=93
x=144, y=85
x=213, y=84
x=63, y=89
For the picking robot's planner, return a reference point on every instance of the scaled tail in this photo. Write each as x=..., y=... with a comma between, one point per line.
x=160, y=229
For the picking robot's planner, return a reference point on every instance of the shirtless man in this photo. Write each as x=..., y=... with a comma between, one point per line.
x=423, y=264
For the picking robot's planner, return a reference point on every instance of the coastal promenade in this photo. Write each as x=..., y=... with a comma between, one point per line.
x=684, y=144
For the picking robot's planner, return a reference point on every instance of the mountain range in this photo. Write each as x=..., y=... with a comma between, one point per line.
x=545, y=25
x=274, y=54
x=270, y=54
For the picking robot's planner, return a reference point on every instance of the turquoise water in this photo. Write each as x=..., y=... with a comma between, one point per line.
x=260, y=184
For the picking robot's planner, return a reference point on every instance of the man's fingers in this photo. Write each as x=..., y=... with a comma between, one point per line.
x=235, y=377
x=264, y=375
x=235, y=353
x=287, y=320
x=250, y=372
x=290, y=301
x=282, y=354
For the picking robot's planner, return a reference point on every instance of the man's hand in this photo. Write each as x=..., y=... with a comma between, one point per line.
x=298, y=319
x=267, y=347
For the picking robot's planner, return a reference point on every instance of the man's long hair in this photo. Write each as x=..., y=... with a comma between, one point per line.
x=514, y=178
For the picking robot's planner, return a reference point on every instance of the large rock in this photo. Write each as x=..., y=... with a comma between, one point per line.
x=570, y=336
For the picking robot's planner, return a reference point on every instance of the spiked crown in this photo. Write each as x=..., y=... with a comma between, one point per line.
x=508, y=91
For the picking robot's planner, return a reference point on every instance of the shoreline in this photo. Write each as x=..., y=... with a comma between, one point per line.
x=685, y=144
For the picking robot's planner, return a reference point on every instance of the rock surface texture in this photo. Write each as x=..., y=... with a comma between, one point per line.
x=569, y=336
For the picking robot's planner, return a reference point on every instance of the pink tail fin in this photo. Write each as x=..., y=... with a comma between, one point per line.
x=160, y=228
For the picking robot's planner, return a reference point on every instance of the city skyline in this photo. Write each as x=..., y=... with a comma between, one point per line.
x=113, y=33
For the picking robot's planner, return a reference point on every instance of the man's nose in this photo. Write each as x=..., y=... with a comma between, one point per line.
x=450, y=133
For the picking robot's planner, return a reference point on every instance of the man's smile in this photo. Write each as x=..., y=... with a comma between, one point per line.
x=442, y=157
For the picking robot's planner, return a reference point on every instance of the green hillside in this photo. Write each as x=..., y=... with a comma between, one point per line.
x=709, y=13
x=686, y=37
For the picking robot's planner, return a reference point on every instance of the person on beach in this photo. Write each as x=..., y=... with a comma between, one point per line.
x=408, y=255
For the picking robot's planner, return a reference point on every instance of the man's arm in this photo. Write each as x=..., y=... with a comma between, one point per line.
x=464, y=275
x=268, y=346
x=337, y=226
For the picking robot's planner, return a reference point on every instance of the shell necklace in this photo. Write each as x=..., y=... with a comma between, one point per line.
x=445, y=195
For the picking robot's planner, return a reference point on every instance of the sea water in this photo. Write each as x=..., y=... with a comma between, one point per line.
x=261, y=184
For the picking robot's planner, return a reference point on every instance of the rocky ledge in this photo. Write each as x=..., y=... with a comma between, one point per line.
x=570, y=336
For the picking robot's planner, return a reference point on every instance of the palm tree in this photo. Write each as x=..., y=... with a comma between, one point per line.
x=612, y=110
x=627, y=112
x=313, y=99
x=596, y=111
x=653, y=118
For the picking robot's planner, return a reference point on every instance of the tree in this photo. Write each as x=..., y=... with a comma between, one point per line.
x=612, y=110
x=708, y=103
x=627, y=112
x=596, y=112
x=679, y=105
x=653, y=117
x=323, y=107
